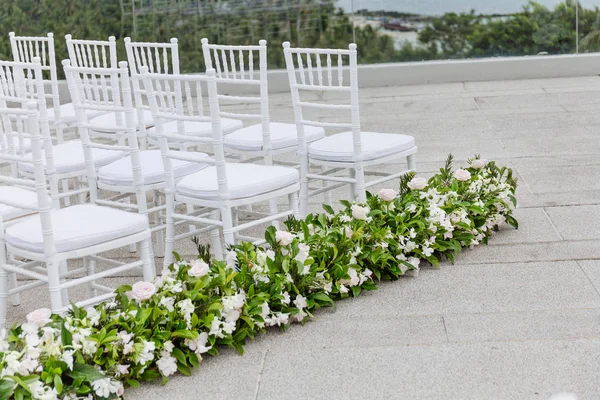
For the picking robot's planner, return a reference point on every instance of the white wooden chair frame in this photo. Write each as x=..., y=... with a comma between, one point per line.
x=55, y=273
x=25, y=49
x=322, y=79
x=102, y=89
x=173, y=109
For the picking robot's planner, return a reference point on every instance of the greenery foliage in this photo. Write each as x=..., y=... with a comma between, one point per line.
x=152, y=330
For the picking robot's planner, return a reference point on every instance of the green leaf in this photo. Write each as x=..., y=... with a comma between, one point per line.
x=143, y=314
x=184, y=369
x=58, y=384
x=329, y=209
x=132, y=383
x=183, y=333
x=248, y=321
x=178, y=354
x=7, y=388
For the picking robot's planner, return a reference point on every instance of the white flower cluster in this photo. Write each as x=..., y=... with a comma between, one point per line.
x=225, y=322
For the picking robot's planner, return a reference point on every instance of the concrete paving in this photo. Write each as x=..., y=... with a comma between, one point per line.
x=518, y=319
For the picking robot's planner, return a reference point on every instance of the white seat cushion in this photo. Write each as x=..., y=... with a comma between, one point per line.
x=23, y=196
x=68, y=157
x=67, y=114
x=340, y=147
x=282, y=136
x=77, y=227
x=198, y=128
x=107, y=122
x=119, y=172
x=243, y=180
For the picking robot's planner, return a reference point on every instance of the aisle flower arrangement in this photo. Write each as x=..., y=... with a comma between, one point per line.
x=152, y=330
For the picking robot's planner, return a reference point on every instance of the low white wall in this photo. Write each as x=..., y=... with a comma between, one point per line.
x=424, y=72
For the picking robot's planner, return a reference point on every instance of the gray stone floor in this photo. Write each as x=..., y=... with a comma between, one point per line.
x=518, y=319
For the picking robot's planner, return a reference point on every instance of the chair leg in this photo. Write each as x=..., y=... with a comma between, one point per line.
x=361, y=191
x=65, y=189
x=412, y=163
x=273, y=209
x=227, y=218
x=190, y=209
x=326, y=195
x=293, y=201
x=63, y=267
x=160, y=235
x=12, y=283
x=90, y=269
x=303, y=186
x=215, y=238
x=147, y=260
x=169, y=231
x=132, y=247
x=56, y=298
x=3, y=280
x=353, y=193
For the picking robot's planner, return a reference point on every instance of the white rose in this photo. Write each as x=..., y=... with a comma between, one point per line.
x=39, y=317
x=387, y=194
x=477, y=164
x=284, y=238
x=359, y=212
x=417, y=183
x=462, y=175
x=143, y=290
x=199, y=269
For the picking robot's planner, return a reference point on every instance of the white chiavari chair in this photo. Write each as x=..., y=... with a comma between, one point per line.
x=222, y=186
x=324, y=70
x=235, y=65
x=56, y=235
x=163, y=58
x=101, y=54
x=68, y=157
x=25, y=49
x=95, y=88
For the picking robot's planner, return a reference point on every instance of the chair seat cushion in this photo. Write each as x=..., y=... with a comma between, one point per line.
x=106, y=123
x=77, y=227
x=13, y=194
x=243, y=180
x=67, y=114
x=119, y=173
x=198, y=128
x=340, y=147
x=68, y=157
x=283, y=135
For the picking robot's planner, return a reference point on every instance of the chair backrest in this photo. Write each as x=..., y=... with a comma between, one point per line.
x=324, y=70
x=92, y=53
x=235, y=65
x=26, y=48
x=21, y=83
x=38, y=182
x=160, y=58
x=109, y=90
x=172, y=98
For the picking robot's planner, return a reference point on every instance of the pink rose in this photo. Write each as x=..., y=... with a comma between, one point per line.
x=143, y=290
x=387, y=194
x=417, y=183
x=348, y=232
x=284, y=238
x=462, y=175
x=39, y=317
x=199, y=269
x=477, y=164
x=360, y=213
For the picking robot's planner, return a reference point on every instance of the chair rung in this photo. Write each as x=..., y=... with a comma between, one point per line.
x=331, y=178
x=103, y=274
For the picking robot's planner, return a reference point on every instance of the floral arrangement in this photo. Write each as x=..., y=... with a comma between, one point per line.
x=153, y=330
